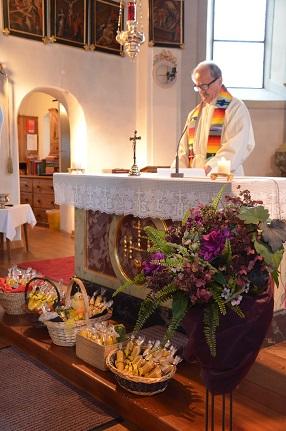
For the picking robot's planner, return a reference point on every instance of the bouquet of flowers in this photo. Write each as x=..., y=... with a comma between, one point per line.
x=220, y=253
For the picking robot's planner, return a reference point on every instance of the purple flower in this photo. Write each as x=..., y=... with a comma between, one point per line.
x=153, y=264
x=213, y=243
x=158, y=255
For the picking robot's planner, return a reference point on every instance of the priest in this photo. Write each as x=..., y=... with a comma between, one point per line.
x=219, y=127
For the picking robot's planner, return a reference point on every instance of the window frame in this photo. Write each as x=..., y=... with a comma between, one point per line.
x=267, y=31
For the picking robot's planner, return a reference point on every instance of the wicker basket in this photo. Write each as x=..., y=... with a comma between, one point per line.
x=13, y=302
x=36, y=282
x=93, y=353
x=136, y=384
x=63, y=333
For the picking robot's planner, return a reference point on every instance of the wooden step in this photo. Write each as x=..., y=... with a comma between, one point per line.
x=180, y=407
x=268, y=378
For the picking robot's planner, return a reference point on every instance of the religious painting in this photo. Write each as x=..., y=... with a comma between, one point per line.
x=69, y=22
x=25, y=18
x=166, y=23
x=104, y=24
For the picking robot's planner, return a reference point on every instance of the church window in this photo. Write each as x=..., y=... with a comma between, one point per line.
x=237, y=40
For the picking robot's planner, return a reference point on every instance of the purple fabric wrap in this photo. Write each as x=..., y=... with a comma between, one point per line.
x=238, y=341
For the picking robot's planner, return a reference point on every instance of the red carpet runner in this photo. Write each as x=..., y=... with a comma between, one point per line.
x=55, y=269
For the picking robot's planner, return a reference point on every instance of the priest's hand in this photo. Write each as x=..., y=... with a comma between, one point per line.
x=207, y=169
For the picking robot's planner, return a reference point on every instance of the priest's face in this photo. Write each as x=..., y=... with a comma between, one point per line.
x=207, y=86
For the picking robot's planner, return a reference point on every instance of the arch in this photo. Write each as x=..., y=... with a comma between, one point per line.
x=78, y=130
x=78, y=138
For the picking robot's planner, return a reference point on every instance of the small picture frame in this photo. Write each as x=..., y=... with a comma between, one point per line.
x=104, y=24
x=25, y=19
x=166, y=23
x=69, y=22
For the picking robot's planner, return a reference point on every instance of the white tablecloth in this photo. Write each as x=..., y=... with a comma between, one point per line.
x=15, y=216
x=159, y=197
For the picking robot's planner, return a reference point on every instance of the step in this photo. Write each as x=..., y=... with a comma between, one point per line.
x=180, y=407
x=268, y=378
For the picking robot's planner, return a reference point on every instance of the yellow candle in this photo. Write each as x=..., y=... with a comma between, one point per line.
x=223, y=166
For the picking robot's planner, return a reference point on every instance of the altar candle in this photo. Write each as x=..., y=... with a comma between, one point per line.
x=131, y=11
x=223, y=166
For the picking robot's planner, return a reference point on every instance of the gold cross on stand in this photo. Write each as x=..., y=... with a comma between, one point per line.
x=134, y=171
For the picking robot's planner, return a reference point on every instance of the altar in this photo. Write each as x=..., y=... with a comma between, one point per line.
x=111, y=211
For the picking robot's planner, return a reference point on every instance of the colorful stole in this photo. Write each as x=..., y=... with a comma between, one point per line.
x=215, y=132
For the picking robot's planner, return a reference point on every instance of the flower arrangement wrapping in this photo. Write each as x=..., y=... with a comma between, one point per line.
x=211, y=265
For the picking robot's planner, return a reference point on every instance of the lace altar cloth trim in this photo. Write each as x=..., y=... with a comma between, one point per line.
x=160, y=197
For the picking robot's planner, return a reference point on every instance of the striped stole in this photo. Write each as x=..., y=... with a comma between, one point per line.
x=216, y=127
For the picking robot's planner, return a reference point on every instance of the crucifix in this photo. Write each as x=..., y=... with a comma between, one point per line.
x=134, y=169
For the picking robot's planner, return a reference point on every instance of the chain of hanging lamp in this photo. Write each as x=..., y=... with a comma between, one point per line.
x=131, y=39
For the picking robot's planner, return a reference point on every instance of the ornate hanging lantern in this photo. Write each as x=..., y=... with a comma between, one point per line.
x=131, y=38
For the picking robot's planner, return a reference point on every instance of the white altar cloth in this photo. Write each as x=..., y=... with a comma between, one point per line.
x=166, y=198
x=160, y=197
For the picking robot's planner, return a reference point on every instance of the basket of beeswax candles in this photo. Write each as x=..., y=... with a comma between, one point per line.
x=143, y=369
x=12, y=290
x=77, y=311
x=94, y=343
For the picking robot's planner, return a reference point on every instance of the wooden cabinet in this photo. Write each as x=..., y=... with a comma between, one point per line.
x=39, y=193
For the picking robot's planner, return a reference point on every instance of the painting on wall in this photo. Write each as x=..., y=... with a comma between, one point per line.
x=25, y=18
x=104, y=23
x=166, y=23
x=69, y=22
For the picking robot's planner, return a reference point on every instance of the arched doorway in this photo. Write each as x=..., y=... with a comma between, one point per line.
x=52, y=137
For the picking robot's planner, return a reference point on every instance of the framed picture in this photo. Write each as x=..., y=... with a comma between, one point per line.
x=25, y=18
x=166, y=23
x=104, y=23
x=69, y=22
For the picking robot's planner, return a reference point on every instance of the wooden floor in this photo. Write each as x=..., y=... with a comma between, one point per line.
x=259, y=402
x=43, y=244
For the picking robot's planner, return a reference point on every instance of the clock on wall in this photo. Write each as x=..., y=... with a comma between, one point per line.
x=165, y=68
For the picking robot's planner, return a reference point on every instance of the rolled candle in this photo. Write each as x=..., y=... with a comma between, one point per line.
x=223, y=166
x=131, y=11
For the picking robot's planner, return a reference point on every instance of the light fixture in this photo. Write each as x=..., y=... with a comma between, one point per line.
x=131, y=39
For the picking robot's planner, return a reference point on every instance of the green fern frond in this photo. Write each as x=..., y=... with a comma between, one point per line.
x=185, y=217
x=211, y=323
x=216, y=200
x=165, y=294
x=150, y=305
x=219, y=300
x=157, y=237
x=147, y=308
x=180, y=307
x=138, y=279
x=238, y=311
x=227, y=251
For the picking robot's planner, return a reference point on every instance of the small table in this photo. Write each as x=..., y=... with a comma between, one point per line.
x=13, y=217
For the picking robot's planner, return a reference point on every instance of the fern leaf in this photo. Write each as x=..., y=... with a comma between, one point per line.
x=211, y=323
x=275, y=276
x=219, y=300
x=157, y=237
x=180, y=307
x=185, y=217
x=216, y=200
x=147, y=308
x=238, y=311
x=151, y=303
x=138, y=279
